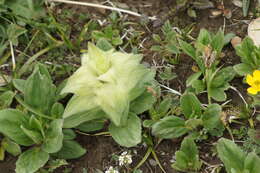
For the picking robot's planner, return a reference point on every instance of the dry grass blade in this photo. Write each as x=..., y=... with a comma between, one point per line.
x=101, y=6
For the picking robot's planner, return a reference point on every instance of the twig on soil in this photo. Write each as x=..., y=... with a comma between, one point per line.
x=12, y=53
x=240, y=95
x=109, y=2
x=102, y=6
x=211, y=167
x=171, y=90
x=97, y=134
x=225, y=103
x=147, y=154
x=157, y=160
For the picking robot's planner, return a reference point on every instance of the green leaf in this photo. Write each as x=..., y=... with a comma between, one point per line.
x=13, y=32
x=57, y=110
x=245, y=50
x=68, y=134
x=70, y=150
x=10, y=123
x=148, y=123
x=43, y=70
x=104, y=44
x=117, y=41
x=182, y=3
x=6, y=99
x=218, y=42
x=172, y=48
x=164, y=106
x=3, y=48
x=11, y=147
x=188, y=49
x=157, y=38
x=98, y=35
x=54, y=137
x=199, y=86
x=223, y=76
x=190, y=105
x=91, y=126
x=193, y=123
x=142, y=103
x=39, y=92
x=78, y=105
x=81, y=117
x=54, y=164
x=32, y=134
x=246, y=4
x=187, y=158
x=252, y=163
x=243, y=69
x=167, y=74
x=2, y=2
x=217, y=94
x=156, y=48
x=211, y=118
x=31, y=160
x=27, y=9
x=231, y=155
x=2, y=153
x=35, y=124
x=19, y=84
x=193, y=78
x=253, y=134
x=192, y=13
x=128, y=135
x=204, y=38
x=169, y=127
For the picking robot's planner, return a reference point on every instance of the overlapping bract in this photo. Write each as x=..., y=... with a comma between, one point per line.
x=106, y=80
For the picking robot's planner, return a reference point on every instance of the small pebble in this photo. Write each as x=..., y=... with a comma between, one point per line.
x=215, y=13
x=236, y=41
x=152, y=162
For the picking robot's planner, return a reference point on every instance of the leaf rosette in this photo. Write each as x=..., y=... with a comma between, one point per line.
x=104, y=86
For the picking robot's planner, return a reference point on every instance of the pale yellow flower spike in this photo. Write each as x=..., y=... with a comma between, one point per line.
x=254, y=82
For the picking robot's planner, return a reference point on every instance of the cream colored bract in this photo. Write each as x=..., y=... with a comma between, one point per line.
x=106, y=79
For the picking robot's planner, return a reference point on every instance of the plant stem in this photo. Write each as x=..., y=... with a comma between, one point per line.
x=12, y=53
x=157, y=160
x=208, y=85
x=147, y=154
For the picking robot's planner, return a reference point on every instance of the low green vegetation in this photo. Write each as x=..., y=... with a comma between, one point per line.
x=187, y=158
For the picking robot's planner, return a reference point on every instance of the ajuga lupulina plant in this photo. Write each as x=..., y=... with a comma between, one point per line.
x=104, y=86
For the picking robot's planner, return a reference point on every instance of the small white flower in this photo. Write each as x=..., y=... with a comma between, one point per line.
x=111, y=170
x=125, y=159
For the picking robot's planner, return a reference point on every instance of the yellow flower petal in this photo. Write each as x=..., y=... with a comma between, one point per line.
x=252, y=90
x=256, y=74
x=249, y=79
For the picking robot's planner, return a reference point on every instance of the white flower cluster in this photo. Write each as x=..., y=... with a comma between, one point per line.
x=111, y=170
x=125, y=159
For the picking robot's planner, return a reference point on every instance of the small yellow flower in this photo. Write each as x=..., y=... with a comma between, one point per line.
x=254, y=82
